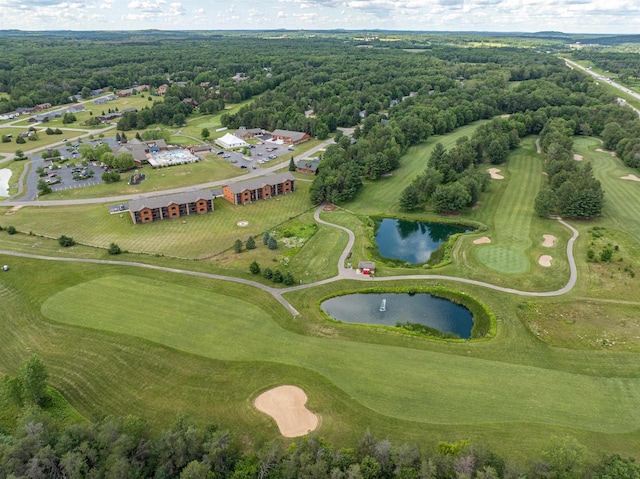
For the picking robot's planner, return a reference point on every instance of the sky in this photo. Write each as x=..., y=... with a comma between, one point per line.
x=569, y=16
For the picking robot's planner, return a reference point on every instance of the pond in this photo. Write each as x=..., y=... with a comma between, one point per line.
x=412, y=241
x=392, y=308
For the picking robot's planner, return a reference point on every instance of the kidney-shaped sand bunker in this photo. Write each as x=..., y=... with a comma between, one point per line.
x=286, y=404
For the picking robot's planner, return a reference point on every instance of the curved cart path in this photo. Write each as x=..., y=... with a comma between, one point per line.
x=343, y=273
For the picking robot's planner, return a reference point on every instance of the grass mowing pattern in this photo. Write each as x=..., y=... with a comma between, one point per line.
x=513, y=214
x=452, y=389
x=622, y=197
x=200, y=236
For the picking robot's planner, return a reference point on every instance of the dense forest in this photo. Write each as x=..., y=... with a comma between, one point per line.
x=394, y=97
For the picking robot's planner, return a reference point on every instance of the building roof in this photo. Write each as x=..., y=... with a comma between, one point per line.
x=294, y=135
x=179, y=198
x=257, y=183
x=240, y=132
x=231, y=140
x=308, y=164
x=366, y=265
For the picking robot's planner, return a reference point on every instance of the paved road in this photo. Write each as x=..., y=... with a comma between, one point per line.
x=343, y=273
x=572, y=64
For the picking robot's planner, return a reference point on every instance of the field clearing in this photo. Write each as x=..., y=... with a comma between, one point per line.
x=196, y=236
x=381, y=197
x=211, y=168
x=520, y=394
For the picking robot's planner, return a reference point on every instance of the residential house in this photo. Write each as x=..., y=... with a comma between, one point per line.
x=141, y=88
x=22, y=110
x=310, y=167
x=127, y=92
x=104, y=99
x=75, y=109
x=43, y=106
x=147, y=210
x=239, y=77
x=293, y=137
x=190, y=101
x=260, y=188
x=162, y=89
x=181, y=84
x=205, y=84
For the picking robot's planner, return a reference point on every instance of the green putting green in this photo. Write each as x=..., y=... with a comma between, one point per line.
x=503, y=260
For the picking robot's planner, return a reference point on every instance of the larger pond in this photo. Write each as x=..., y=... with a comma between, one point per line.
x=5, y=175
x=393, y=308
x=412, y=241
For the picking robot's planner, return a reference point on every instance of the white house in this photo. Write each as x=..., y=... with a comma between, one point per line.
x=231, y=141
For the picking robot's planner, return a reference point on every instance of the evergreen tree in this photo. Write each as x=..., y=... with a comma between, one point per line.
x=237, y=246
x=254, y=267
x=292, y=165
x=251, y=243
x=33, y=376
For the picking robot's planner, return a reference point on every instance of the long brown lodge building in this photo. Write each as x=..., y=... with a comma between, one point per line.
x=155, y=208
x=259, y=188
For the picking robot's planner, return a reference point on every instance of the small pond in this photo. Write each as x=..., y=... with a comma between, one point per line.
x=412, y=241
x=421, y=308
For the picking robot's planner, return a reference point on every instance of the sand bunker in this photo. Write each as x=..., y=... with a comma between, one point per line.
x=5, y=174
x=483, y=240
x=494, y=172
x=286, y=404
x=630, y=177
x=549, y=241
x=545, y=260
x=242, y=223
x=578, y=157
x=600, y=150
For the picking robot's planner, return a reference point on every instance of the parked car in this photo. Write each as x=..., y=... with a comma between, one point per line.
x=220, y=153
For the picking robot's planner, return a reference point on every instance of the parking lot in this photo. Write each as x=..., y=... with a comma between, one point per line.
x=261, y=154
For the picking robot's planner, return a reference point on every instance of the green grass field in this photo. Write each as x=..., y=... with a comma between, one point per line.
x=197, y=236
x=121, y=340
x=43, y=139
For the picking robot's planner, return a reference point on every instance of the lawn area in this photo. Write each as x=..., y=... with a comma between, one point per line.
x=211, y=168
x=121, y=339
x=471, y=389
x=381, y=197
x=197, y=236
x=43, y=139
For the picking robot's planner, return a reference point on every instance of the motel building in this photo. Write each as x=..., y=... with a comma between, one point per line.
x=156, y=208
x=260, y=188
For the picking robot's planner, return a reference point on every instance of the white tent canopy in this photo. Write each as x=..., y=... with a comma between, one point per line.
x=231, y=141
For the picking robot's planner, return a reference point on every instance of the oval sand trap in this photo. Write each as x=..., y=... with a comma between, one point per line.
x=242, y=224
x=545, y=260
x=578, y=157
x=630, y=177
x=600, y=150
x=495, y=174
x=549, y=241
x=286, y=404
x=483, y=240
